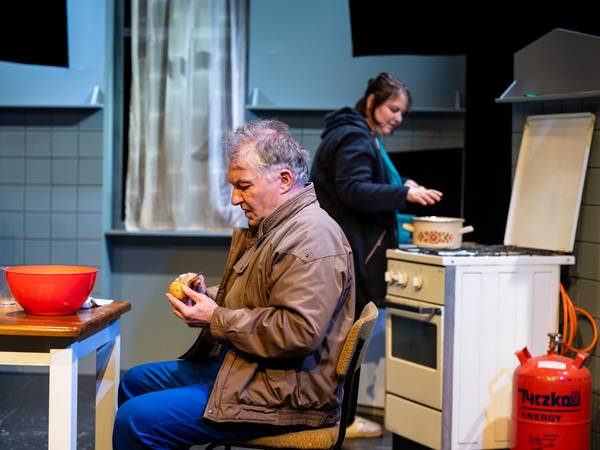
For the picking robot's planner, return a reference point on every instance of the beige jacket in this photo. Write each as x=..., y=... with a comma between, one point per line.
x=287, y=299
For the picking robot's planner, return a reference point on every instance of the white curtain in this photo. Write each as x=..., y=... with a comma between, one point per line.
x=187, y=92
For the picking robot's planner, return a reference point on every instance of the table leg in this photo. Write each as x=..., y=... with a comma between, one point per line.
x=62, y=415
x=107, y=384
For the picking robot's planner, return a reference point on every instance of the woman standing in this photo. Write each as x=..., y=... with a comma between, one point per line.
x=357, y=184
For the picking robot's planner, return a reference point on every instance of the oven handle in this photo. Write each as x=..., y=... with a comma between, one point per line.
x=423, y=310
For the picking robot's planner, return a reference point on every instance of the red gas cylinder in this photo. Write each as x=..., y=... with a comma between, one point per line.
x=551, y=401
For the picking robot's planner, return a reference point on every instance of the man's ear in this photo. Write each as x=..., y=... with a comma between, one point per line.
x=286, y=180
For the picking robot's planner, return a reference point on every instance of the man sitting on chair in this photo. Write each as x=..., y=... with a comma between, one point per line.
x=264, y=362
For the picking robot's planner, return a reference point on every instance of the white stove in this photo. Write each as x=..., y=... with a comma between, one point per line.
x=454, y=323
x=456, y=317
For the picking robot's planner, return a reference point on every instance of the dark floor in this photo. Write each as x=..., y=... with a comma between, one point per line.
x=24, y=415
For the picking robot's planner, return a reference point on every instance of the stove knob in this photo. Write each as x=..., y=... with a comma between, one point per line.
x=401, y=279
x=388, y=277
x=417, y=282
x=396, y=278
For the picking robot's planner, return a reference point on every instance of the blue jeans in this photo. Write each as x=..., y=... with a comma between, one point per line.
x=161, y=406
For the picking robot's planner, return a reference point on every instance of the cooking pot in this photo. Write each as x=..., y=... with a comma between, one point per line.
x=437, y=231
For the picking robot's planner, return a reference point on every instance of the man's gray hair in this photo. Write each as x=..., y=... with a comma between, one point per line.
x=266, y=144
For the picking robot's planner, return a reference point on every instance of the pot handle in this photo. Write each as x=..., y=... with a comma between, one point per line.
x=408, y=227
x=466, y=229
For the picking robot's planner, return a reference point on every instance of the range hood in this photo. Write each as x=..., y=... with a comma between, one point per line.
x=561, y=64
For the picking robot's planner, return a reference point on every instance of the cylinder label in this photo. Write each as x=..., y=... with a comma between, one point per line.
x=541, y=441
x=551, y=399
x=552, y=365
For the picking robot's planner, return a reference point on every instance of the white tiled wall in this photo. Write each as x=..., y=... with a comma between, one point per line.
x=50, y=187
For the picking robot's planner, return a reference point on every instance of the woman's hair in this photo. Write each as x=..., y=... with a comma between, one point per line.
x=266, y=144
x=383, y=87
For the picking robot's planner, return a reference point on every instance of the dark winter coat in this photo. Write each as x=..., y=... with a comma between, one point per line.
x=351, y=183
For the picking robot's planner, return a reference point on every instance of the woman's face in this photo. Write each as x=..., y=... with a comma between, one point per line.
x=390, y=114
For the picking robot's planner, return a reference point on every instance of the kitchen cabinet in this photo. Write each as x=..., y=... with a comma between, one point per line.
x=300, y=57
x=82, y=84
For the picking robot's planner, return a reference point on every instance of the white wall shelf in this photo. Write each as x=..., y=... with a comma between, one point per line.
x=124, y=234
x=327, y=109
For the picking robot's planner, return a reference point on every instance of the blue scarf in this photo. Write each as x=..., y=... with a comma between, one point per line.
x=395, y=179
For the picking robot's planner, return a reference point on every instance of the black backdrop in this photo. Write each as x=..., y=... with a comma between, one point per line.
x=34, y=32
x=440, y=169
x=488, y=35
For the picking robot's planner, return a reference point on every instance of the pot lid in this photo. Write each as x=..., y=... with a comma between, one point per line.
x=548, y=182
x=438, y=219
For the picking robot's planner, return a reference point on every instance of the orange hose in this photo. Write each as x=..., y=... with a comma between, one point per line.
x=570, y=324
x=566, y=316
x=572, y=321
x=590, y=319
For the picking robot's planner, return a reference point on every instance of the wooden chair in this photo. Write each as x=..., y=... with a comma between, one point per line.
x=330, y=438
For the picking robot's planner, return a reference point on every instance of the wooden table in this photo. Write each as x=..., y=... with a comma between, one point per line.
x=59, y=342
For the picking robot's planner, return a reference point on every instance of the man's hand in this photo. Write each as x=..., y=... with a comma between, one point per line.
x=423, y=196
x=198, y=314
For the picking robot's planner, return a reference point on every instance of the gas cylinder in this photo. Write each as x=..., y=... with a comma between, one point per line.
x=551, y=401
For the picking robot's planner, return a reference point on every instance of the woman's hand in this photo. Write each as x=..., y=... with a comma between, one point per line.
x=412, y=184
x=199, y=313
x=423, y=196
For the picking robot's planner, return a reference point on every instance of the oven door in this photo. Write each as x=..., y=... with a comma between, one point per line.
x=414, y=350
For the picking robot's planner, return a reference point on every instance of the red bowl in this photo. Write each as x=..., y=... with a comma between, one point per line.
x=50, y=290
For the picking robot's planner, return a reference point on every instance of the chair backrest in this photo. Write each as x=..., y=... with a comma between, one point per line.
x=357, y=340
x=351, y=358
